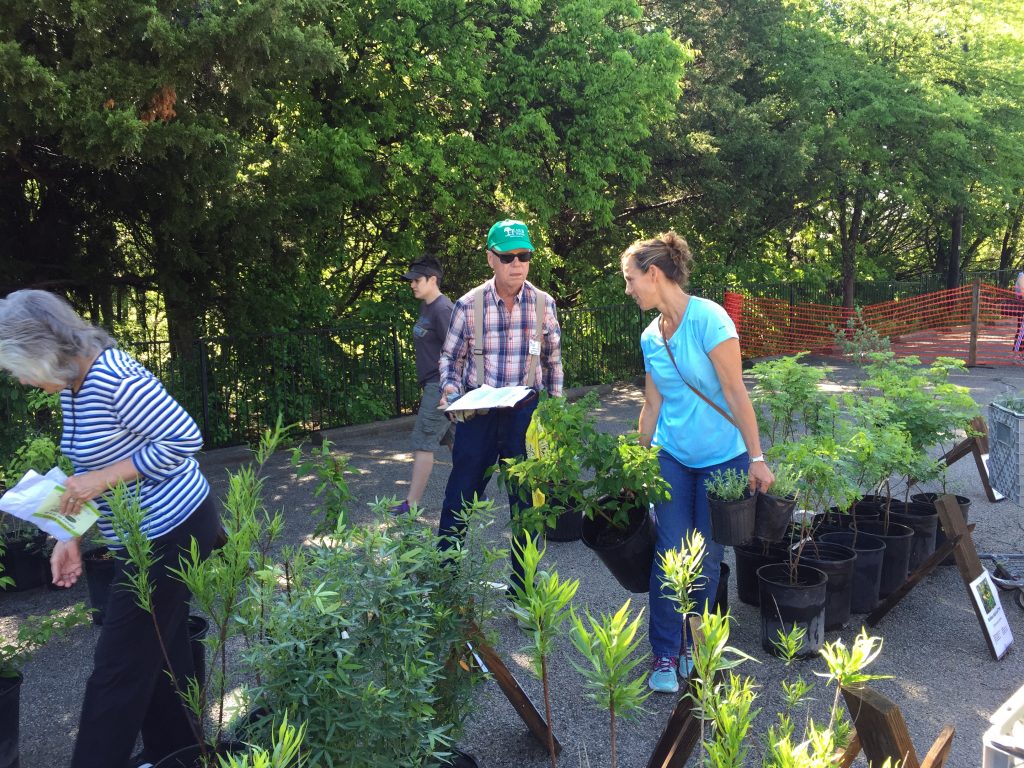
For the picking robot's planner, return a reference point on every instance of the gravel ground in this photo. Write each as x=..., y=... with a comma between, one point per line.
x=939, y=666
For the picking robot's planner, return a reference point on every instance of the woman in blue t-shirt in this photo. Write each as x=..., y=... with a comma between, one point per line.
x=691, y=352
x=120, y=426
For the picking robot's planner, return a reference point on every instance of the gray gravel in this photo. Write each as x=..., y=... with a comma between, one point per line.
x=941, y=670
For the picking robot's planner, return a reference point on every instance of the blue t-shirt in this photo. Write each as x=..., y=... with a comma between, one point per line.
x=689, y=429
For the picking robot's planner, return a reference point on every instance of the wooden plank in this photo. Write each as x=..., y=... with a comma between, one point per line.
x=967, y=561
x=850, y=753
x=515, y=694
x=682, y=731
x=880, y=725
x=930, y=564
x=939, y=753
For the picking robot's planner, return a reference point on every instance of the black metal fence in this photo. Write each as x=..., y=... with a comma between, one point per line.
x=357, y=372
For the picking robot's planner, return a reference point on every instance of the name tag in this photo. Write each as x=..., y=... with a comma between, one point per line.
x=534, y=347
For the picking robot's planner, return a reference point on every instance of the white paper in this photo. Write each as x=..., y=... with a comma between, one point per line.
x=36, y=499
x=985, y=594
x=484, y=398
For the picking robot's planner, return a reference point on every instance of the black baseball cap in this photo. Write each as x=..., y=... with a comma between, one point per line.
x=424, y=266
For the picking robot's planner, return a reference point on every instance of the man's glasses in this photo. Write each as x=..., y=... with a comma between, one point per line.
x=508, y=258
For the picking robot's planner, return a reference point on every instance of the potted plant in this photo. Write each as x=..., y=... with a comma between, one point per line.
x=33, y=633
x=549, y=478
x=732, y=507
x=540, y=606
x=366, y=635
x=626, y=481
x=775, y=507
x=609, y=645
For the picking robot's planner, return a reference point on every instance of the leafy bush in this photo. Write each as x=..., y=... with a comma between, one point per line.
x=727, y=485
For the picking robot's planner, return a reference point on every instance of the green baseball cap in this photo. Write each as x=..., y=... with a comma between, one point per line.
x=508, y=235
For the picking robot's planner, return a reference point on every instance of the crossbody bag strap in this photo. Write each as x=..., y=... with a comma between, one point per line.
x=478, y=333
x=541, y=300
x=701, y=395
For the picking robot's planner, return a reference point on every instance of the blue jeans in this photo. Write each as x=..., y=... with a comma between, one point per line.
x=686, y=511
x=480, y=444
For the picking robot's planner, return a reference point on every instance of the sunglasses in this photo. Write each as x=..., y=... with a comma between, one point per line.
x=508, y=258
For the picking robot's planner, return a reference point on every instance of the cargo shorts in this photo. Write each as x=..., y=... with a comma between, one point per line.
x=432, y=425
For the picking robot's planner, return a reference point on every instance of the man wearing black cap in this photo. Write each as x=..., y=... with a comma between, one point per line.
x=432, y=427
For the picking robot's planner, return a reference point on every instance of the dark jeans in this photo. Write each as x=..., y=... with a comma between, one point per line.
x=129, y=690
x=481, y=443
x=687, y=510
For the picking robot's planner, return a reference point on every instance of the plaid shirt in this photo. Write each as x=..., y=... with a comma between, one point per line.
x=506, y=344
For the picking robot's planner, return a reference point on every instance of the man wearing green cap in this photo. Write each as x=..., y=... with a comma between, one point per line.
x=502, y=333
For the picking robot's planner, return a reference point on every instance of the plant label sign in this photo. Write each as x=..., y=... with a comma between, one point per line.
x=983, y=590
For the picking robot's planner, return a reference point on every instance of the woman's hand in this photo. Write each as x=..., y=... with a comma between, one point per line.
x=78, y=489
x=66, y=563
x=761, y=477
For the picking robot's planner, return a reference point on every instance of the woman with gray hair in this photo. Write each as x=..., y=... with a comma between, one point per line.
x=119, y=426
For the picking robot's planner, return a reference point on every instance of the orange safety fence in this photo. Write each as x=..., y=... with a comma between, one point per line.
x=976, y=323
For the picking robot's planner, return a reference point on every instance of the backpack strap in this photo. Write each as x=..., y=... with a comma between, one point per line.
x=541, y=300
x=478, y=333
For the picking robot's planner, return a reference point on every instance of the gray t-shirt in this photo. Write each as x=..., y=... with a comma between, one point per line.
x=429, y=333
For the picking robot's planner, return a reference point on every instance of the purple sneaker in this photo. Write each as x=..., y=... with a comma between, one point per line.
x=400, y=509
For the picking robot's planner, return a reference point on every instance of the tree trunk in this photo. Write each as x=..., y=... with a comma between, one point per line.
x=1010, y=238
x=955, y=239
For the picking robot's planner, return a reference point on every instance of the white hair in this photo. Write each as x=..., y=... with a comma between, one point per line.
x=41, y=335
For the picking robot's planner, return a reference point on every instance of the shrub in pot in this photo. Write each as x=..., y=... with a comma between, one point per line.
x=775, y=506
x=626, y=481
x=366, y=635
x=549, y=478
x=33, y=633
x=732, y=507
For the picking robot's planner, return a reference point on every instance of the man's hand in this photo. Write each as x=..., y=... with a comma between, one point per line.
x=66, y=563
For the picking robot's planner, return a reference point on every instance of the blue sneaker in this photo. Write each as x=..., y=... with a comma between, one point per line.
x=663, y=677
x=686, y=664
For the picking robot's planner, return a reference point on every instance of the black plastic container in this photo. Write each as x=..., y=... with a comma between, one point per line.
x=785, y=605
x=10, y=721
x=750, y=557
x=867, y=569
x=896, y=556
x=198, y=627
x=732, y=522
x=923, y=520
x=568, y=526
x=772, y=516
x=629, y=557
x=25, y=562
x=837, y=563
x=940, y=534
x=99, y=576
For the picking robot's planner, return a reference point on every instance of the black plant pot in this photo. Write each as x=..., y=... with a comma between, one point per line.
x=867, y=568
x=459, y=759
x=837, y=562
x=896, y=556
x=786, y=605
x=10, y=718
x=568, y=526
x=923, y=520
x=750, y=557
x=940, y=534
x=772, y=516
x=99, y=576
x=732, y=522
x=628, y=554
x=721, y=603
x=23, y=560
x=192, y=756
x=198, y=627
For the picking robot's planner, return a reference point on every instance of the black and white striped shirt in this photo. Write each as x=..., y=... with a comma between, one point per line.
x=122, y=411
